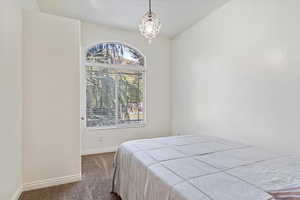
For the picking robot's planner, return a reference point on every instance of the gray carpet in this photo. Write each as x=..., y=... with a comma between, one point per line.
x=95, y=185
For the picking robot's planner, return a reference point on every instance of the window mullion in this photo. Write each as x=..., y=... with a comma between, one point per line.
x=116, y=100
x=138, y=93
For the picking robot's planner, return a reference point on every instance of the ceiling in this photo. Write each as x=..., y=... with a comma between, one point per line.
x=176, y=15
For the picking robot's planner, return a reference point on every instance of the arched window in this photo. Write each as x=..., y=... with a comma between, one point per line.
x=115, y=86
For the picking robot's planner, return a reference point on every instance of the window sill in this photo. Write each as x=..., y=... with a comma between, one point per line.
x=141, y=125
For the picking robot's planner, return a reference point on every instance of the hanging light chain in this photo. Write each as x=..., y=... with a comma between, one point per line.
x=150, y=7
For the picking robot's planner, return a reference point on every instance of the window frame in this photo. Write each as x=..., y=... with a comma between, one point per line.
x=83, y=83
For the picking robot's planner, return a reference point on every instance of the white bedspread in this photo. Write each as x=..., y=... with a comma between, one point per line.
x=202, y=168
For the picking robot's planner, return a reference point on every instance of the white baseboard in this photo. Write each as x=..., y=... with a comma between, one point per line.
x=17, y=194
x=98, y=150
x=51, y=182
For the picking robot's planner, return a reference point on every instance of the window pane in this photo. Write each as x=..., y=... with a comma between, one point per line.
x=100, y=97
x=114, y=54
x=130, y=97
x=114, y=96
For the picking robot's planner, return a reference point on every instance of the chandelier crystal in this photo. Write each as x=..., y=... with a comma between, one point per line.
x=150, y=25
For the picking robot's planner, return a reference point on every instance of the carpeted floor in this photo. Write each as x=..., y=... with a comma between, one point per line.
x=95, y=185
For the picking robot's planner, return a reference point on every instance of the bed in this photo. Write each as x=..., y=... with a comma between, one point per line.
x=203, y=168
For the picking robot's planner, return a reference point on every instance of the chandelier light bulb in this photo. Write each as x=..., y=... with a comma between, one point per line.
x=149, y=27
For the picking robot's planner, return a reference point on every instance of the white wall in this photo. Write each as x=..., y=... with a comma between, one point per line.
x=236, y=74
x=11, y=98
x=158, y=88
x=30, y=5
x=51, y=145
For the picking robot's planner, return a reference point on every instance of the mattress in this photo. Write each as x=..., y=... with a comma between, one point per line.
x=203, y=168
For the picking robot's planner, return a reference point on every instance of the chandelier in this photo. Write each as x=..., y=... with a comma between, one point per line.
x=150, y=25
